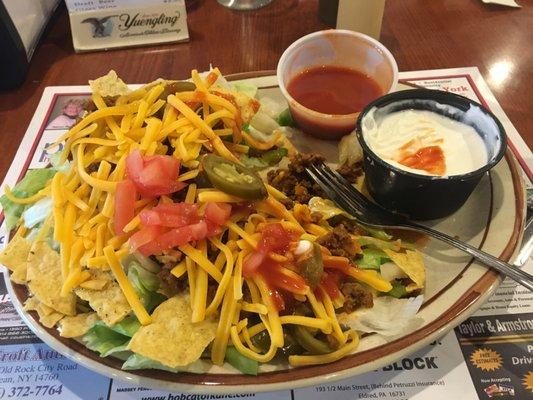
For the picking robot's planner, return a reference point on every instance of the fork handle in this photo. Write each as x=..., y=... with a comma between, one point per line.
x=509, y=270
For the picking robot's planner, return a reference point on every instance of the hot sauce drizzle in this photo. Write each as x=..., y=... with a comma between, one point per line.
x=430, y=159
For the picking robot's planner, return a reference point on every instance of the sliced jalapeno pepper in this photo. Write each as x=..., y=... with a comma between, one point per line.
x=175, y=87
x=309, y=342
x=311, y=266
x=233, y=179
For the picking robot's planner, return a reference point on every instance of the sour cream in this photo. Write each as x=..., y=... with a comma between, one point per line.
x=424, y=142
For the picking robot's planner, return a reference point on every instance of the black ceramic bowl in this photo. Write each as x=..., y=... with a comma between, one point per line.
x=424, y=197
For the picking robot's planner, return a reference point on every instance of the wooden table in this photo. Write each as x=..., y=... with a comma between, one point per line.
x=421, y=34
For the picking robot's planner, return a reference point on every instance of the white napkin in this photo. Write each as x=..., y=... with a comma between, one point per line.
x=508, y=3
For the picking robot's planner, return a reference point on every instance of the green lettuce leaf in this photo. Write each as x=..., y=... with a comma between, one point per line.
x=372, y=259
x=247, y=88
x=242, y=363
x=103, y=340
x=34, y=181
x=121, y=352
x=127, y=327
x=285, y=118
x=398, y=290
x=145, y=284
x=136, y=361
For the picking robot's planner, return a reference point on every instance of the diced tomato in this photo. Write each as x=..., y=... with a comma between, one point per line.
x=290, y=283
x=218, y=213
x=134, y=165
x=330, y=283
x=154, y=175
x=252, y=263
x=276, y=238
x=172, y=215
x=178, y=208
x=144, y=236
x=213, y=229
x=336, y=262
x=170, y=165
x=125, y=196
x=175, y=238
x=150, y=217
x=277, y=299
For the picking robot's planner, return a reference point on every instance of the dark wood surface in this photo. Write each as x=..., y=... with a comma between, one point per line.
x=421, y=34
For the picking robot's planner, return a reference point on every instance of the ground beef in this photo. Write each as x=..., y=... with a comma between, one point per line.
x=170, y=285
x=110, y=101
x=339, y=242
x=350, y=225
x=351, y=172
x=316, y=217
x=294, y=181
x=169, y=257
x=90, y=106
x=211, y=292
x=93, y=167
x=356, y=296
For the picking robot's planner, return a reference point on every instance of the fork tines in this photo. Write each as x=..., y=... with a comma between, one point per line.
x=344, y=194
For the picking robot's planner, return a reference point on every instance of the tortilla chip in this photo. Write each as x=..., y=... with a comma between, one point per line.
x=50, y=320
x=43, y=309
x=31, y=304
x=94, y=284
x=78, y=325
x=47, y=315
x=411, y=263
x=14, y=257
x=109, y=85
x=109, y=303
x=171, y=338
x=44, y=279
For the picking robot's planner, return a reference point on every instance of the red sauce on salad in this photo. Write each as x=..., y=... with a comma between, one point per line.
x=334, y=90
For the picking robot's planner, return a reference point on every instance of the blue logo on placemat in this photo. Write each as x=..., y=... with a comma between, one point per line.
x=101, y=27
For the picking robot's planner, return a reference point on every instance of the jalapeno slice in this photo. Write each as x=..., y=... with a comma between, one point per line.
x=175, y=87
x=233, y=179
x=311, y=265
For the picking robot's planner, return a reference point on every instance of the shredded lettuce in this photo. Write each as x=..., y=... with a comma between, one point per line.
x=103, y=340
x=285, y=118
x=247, y=88
x=350, y=151
x=127, y=327
x=136, y=361
x=327, y=208
x=34, y=181
x=146, y=285
x=372, y=259
x=398, y=290
x=242, y=363
x=38, y=212
x=121, y=352
x=271, y=107
x=388, y=317
x=263, y=123
x=55, y=161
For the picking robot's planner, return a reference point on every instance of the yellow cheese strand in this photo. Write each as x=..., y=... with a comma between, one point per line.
x=202, y=261
x=133, y=300
x=299, y=361
x=206, y=130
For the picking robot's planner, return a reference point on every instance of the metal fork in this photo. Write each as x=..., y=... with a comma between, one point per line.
x=354, y=202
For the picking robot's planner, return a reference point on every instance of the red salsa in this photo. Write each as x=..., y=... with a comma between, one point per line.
x=334, y=90
x=430, y=159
